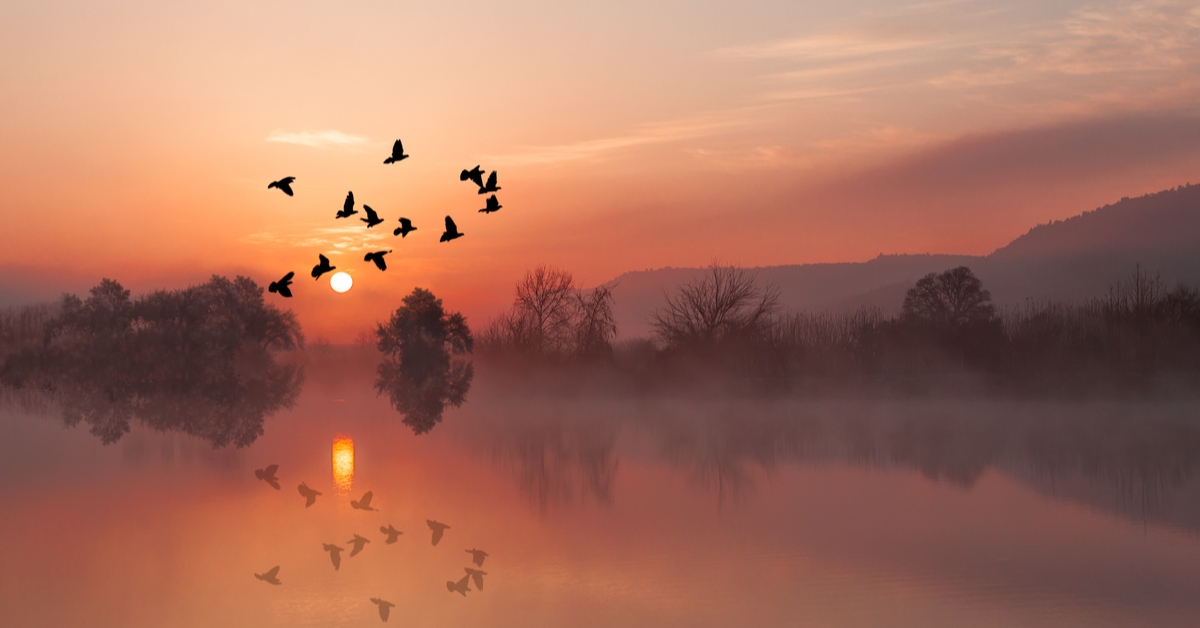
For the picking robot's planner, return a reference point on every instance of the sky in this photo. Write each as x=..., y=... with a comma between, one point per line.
x=137, y=137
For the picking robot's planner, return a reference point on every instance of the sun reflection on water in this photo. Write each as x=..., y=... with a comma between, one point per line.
x=343, y=463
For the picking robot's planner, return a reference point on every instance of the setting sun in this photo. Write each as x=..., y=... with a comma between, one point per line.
x=341, y=282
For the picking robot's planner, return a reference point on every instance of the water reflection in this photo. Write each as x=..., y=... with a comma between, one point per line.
x=343, y=464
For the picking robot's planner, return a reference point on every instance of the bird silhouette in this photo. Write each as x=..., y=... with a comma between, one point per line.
x=490, y=186
x=477, y=556
x=310, y=496
x=322, y=268
x=474, y=174
x=347, y=207
x=377, y=257
x=335, y=554
x=438, y=529
x=451, y=232
x=460, y=586
x=384, y=607
x=283, y=286
x=270, y=575
x=404, y=228
x=493, y=205
x=364, y=503
x=284, y=185
x=358, y=542
x=372, y=218
x=268, y=475
x=392, y=533
x=476, y=577
x=397, y=153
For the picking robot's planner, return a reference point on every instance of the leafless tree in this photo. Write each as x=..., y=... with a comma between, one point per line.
x=552, y=317
x=545, y=302
x=595, y=326
x=726, y=302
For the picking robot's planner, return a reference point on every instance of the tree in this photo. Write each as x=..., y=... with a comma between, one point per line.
x=726, y=303
x=951, y=300
x=552, y=317
x=420, y=371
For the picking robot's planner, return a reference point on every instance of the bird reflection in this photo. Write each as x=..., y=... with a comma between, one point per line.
x=476, y=577
x=268, y=475
x=358, y=542
x=364, y=503
x=438, y=529
x=269, y=576
x=310, y=495
x=392, y=533
x=335, y=554
x=460, y=586
x=385, y=607
x=477, y=556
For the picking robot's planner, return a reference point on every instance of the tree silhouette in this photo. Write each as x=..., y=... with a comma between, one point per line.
x=951, y=299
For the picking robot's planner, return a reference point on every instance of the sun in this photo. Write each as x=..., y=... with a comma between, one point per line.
x=341, y=282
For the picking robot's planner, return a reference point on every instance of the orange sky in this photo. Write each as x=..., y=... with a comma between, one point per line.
x=137, y=139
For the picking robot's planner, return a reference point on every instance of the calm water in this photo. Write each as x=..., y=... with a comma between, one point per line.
x=617, y=512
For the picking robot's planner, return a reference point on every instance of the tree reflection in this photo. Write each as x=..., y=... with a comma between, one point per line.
x=421, y=371
x=200, y=361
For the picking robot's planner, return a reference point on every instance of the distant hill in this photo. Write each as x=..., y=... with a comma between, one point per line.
x=1067, y=260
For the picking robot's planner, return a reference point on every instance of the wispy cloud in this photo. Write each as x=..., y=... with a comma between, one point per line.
x=317, y=139
x=330, y=240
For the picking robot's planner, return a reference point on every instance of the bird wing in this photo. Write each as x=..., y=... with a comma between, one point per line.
x=310, y=498
x=491, y=182
x=366, y=499
x=324, y=261
x=287, y=278
x=287, y=180
x=379, y=261
x=285, y=291
x=272, y=573
x=273, y=482
x=384, y=609
x=270, y=470
x=406, y=223
x=349, y=204
x=371, y=215
x=450, y=226
x=397, y=148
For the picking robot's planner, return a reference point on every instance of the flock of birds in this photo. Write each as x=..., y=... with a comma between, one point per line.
x=391, y=534
x=372, y=219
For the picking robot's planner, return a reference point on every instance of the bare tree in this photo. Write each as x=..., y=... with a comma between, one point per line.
x=545, y=302
x=726, y=302
x=594, y=324
x=953, y=298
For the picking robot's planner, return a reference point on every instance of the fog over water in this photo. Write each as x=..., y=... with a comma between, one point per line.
x=667, y=509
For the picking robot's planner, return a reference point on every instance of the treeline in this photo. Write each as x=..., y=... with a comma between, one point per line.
x=948, y=334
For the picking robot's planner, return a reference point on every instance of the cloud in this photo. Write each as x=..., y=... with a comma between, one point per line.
x=329, y=240
x=317, y=139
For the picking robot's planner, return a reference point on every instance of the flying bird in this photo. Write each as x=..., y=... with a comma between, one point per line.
x=476, y=577
x=358, y=542
x=404, y=228
x=283, y=286
x=493, y=205
x=451, y=232
x=322, y=268
x=474, y=174
x=397, y=153
x=377, y=257
x=438, y=529
x=392, y=533
x=372, y=218
x=460, y=586
x=348, y=206
x=477, y=556
x=270, y=576
x=384, y=606
x=364, y=503
x=310, y=496
x=268, y=475
x=335, y=554
x=490, y=186
x=284, y=185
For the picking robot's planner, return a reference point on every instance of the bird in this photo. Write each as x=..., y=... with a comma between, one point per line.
x=268, y=475
x=364, y=503
x=404, y=228
x=385, y=607
x=270, y=575
x=477, y=556
x=335, y=554
x=284, y=185
x=377, y=257
x=372, y=218
x=493, y=205
x=397, y=153
x=451, y=232
x=474, y=174
x=490, y=186
x=476, y=576
x=392, y=533
x=348, y=206
x=310, y=496
x=438, y=529
x=283, y=286
x=358, y=542
x=460, y=586
x=322, y=268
